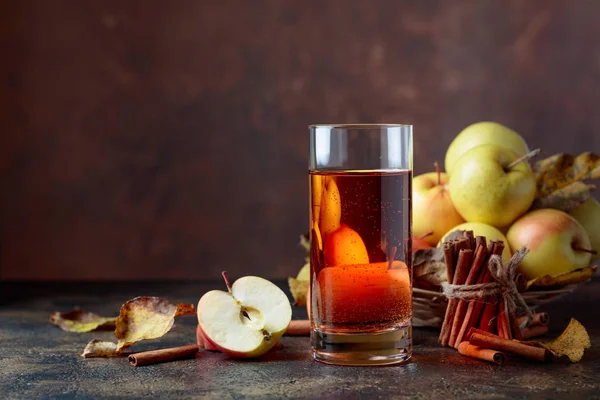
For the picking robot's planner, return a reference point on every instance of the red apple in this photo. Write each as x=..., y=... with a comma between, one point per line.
x=557, y=243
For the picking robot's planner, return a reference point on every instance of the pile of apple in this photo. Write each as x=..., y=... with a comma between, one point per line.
x=489, y=188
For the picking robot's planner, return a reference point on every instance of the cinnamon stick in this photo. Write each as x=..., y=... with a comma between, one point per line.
x=503, y=320
x=467, y=349
x=162, y=355
x=460, y=275
x=541, y=318
x=490, y=308
x=520, y=282
x=460, y=316
x=299, y=327
x=511, y=346
x=488, y=316
x=472, y=331
x=534, y=331
x=449, y=259
x=469, y=236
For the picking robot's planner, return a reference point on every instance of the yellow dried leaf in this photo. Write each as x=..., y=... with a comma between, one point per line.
x=571, y=343
x=566, y=198
x=556, y=177
x=567, y=278
x=304, y=274
x=100, y=348
x=560, y=170
x=80, y=321
x=146, y=318
x=299, y=290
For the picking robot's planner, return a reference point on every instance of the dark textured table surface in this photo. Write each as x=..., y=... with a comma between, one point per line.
x=38, y=360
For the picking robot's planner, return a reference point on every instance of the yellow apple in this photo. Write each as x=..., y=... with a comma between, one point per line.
x=484, y=189
x=331, y=207
x=488, y=231
x=344, y=246
x=483, y=133
x=588, y=215
x=557, y=243
x=433, y=210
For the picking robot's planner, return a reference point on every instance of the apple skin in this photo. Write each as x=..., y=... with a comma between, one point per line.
x=344, y=246
x=419, y=244
x=482, y=190
x=488, y=231
x=433, y=210
x=550, y=236
x=588, y=215
x=483, y=133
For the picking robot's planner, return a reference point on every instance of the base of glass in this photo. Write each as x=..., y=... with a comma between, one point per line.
x=361, y=349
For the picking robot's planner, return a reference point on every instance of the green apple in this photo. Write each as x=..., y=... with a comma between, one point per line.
x=588, y=215
x=433, y=210
x=485, y=187
x=488, y=231
x=483, y=133
x=557, y=243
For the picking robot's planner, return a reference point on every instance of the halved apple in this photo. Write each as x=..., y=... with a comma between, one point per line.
x=248, y=320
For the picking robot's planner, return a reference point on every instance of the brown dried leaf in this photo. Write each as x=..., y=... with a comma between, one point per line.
x=429, y=265
x=571, y=343
x=299, y=290
x=567, y=278
x=80, y=321
x=144, y=318
x=560, y=171
x=566, y=198
x=100, y=348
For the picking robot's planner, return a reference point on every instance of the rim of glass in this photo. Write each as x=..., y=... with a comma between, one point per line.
x=347, y=126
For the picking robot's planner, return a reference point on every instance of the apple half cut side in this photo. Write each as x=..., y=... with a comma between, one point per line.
x=248, y=320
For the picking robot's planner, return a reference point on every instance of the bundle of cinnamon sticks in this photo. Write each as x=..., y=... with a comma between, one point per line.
x=467, y=263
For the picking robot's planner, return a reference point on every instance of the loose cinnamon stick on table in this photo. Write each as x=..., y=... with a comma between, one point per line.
x=462, y=305
x=162, y=355
x=299, y=327
x=511, y=346
x=467, y=349
x=533, y=331
x=541, y=318
x=472, y=331
x=462, y=270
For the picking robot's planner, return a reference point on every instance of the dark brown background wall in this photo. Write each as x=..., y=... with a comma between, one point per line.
x=158, y=139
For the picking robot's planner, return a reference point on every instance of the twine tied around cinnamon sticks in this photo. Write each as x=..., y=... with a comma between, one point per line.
x=504, y=285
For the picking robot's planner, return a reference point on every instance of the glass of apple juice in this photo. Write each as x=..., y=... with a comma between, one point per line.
x=360, y=243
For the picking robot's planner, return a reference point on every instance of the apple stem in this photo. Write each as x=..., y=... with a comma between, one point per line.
x=527, y=156
x=439, y=172
x=426, y=234
x=392, y=256
x=226, y=279
x=577, y=248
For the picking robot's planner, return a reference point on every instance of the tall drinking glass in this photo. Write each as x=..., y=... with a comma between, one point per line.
x=360, y=243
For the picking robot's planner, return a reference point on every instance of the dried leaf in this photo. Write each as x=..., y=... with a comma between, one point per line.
x=80, y=321
x=559, y=173
x=299, y=290
x=429, y=266
x=566, y=198
x=454, y=235
x=571, y=343
x=100, y=348
x=433, y=272
x=304, y=274
x=567, y=278
x=144, y=318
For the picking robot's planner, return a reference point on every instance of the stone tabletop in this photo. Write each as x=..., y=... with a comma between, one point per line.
x=38, y=360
